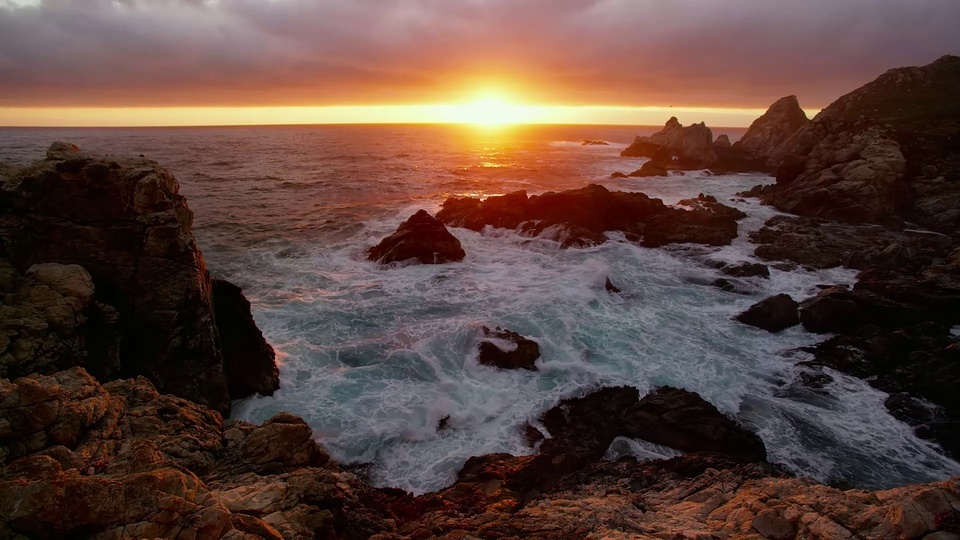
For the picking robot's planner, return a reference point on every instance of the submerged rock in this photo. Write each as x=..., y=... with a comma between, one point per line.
x=772, y=314
x=746, y=270
x=610, y=287
x=508, y=350
x=124, y=222
x=420, y=238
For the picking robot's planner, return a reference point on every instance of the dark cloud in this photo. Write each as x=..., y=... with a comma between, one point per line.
x=618, y=52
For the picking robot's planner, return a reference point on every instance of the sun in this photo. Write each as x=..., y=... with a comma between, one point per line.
x=490, y=110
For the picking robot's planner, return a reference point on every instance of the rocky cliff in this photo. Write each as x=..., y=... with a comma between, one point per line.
x=135, y=296
x=768, y=132
x=885, y=153
x=676, y=146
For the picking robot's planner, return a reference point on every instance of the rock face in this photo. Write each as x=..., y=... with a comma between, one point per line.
x=124, y=223
x=885, y=153
x=508, y=350
x=421, y=238
x=770, y=131
x=676, y=146
x=649, y=169
x=248, y=359
x=580, y=217
x=772, y=314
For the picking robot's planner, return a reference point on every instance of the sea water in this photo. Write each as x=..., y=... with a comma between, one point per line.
x=373, y=357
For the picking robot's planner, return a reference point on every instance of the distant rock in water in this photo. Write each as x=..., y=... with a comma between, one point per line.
x=580, y=217
x=721, y=142
x=885, y=153
x=649, y=169
x=676, y=146
x=610, y=287
x=124, y=222
x=768, y=132
x=517, y=352
x=421, y=238
x=588, y=142
x=772, y=314
x=618, y=175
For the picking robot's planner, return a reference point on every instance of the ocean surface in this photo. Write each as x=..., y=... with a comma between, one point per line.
x=373, y=358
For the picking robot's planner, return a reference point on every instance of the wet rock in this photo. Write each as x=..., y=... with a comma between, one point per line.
x=580, y=217
x=249, y=361
x=767, y=133
x=755, y=191
x=421, y=238
x=649, y=169
x=747, y=270
x=610, y=287
x=772, y=314
x=618, y=175
x=508, y=350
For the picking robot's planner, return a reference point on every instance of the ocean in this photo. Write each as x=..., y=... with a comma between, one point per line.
x=373, y=358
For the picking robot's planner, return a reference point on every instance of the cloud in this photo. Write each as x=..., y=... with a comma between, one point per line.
x=739, y=53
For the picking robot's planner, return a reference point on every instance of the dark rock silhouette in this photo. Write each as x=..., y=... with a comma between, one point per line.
x=747, y=270
x=420, y=238
x=523, y=353
x=772, y=314
x=610, y=287
x=249, y=361
x=649, y=169
x=768, y=132
x=676, y=146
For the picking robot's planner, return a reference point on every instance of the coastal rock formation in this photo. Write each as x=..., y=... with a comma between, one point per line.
x=676, y=146
x=746, y=270
x=722, y=142
x=772, y=314
x=618, y=175
x=420, y=238
x=884, y=153
x=649, y=169
x=507, y=350
x=124, y=222
x=580, y=217
x=248, y=360
x=768, y=132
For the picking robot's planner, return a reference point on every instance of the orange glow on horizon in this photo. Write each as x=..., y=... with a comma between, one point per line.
x=487, y=110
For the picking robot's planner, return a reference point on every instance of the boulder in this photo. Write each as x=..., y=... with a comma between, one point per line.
x=248, y=360
x=746, y=270
x=772, y=314
x=884, y=153
x=768, y=132
x=618, y=175
x=508, y=350
x=580, y=217
x=676, y=146
x=421, y=238
x=124, y=222
x=649, y=169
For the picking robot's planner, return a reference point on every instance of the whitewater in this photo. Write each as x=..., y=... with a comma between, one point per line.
x=374, y=358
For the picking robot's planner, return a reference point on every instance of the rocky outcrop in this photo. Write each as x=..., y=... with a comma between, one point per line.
x=676, y=147
x=722, y=142
x=648, y=170
x=421, y=238
x=772, y=314
x=768, y=132
x=248, y=360
x=580, y=217
x=884, y=153
x=122, y=221
x=507, y=350
x=746, y=270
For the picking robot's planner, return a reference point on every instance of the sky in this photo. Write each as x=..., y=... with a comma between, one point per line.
x=117, y=62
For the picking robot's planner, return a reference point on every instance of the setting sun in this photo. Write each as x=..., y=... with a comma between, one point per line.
x=491, y=111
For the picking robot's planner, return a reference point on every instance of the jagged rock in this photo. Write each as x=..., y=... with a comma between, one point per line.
x=747, y=270
x=248, y=360
x=710, y=204
x=422, y=238
x=676, y=146
x=124, y=222
x=721, y=142
x=772, y=314
x=649, y=169
x=772, y=129
x=683, y=420
x=883, y=153
x=580, y=217
x=618, y=175
x=508, y=350
x=610, y=287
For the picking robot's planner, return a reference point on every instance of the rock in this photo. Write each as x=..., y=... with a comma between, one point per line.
x=610, y=287
x=123, y=221
x=588, y=142
x=249, y=361
x=508, y=350
x=772, y=314
x=422, y=238
x=755, y=191
x=676, y=146
x=747, y=270
x=618, y=175
x=683, y=420
x=883, y=153
x=649, y=169
x=580, y=217
x=772, y=129
x=721, y=142
x=832, y=310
